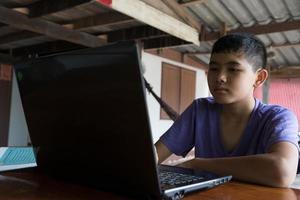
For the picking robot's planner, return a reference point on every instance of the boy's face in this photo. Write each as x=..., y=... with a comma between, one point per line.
x=230, y=78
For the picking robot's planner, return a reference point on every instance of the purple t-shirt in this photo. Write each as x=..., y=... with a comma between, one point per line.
x=198, y=127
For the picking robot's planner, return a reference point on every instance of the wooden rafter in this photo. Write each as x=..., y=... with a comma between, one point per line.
x=149, y=15
x=192, y=2
x=286, y=72
x=182, y=13
x=44, y=7
x=164, y=42
x=7, y=40
x=258, y=29
x=102, y=20
x=45, y=48
x=20, y=21
x=136, y=33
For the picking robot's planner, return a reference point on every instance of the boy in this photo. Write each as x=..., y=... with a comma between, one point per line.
x=234, y=133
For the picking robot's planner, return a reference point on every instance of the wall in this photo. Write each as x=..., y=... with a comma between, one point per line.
x=153, y=67
x=18, y=131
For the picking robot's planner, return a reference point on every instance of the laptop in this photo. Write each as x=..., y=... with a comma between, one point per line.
x=86, y=113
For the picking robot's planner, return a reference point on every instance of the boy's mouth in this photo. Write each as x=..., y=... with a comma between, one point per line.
x=221, y=89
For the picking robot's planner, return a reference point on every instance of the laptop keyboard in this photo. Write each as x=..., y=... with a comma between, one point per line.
x=176, y=179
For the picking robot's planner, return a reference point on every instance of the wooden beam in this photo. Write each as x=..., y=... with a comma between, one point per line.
x=257, y=30
x=181, y=12
x=45, y=48
x=20, y=21
x=192, y=59
x=84, y=24
x=162, y=7
x=164, y=42
x=286, y=72
x=154, y=17
x=276, y=46
x=102, y=20
x=192, y=2
x=44, y=7
x=12, y=38
x=136, y=33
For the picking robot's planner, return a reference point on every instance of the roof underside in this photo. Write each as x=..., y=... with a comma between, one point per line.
x=41, y=26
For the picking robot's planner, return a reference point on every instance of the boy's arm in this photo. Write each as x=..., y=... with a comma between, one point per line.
x=275, y=168
x=162, y=151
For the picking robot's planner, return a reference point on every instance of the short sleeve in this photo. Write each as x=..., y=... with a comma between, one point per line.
x=283, y=127
x=179, y=139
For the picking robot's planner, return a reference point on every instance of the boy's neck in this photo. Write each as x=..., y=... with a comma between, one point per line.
x=238, y=109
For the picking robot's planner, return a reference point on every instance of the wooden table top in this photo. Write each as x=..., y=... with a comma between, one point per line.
x=28, y=185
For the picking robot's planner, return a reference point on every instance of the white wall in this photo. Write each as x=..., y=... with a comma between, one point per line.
x=153, y=68
x=18, y=131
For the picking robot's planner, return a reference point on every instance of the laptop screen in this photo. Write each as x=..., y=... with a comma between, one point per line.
x=86, y=112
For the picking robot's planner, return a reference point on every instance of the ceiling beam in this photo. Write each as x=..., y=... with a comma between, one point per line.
x=45, y=48
x=101, y=20
x=17, y=37
x=136, y=33
x=164, y=42
x=149, y=15
x=276, y=46
x=20, y=21
x=191, y=2
x=257, y=30
x=182, y=13
x=104, y=21
x=286, y=72
x=44, y=7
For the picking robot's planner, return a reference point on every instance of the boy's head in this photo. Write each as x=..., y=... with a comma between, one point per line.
x=246, y=44
x=236, y=68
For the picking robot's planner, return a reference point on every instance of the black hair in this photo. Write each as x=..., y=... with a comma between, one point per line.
x=253, y=48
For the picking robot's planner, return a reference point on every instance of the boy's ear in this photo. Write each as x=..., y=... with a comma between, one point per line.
x=261, y=77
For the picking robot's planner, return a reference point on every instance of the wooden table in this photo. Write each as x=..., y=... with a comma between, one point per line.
x=29, y=185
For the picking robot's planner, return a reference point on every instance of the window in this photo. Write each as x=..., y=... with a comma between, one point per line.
x=178, y=88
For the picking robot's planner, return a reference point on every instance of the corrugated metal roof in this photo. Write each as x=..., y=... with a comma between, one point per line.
x=245, y=13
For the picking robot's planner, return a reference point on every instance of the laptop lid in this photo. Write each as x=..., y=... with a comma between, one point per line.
x=86, y=112
x=87, y=115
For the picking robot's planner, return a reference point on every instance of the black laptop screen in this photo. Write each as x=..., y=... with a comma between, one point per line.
x=86, y=112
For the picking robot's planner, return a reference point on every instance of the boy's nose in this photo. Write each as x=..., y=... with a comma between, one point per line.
x=222, y=77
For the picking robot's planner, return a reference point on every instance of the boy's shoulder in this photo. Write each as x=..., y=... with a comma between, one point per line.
x=271, y=109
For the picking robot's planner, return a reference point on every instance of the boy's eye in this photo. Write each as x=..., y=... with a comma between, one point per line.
x=234, y=69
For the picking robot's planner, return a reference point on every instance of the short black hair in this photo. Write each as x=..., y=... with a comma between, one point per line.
x=252, y=47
